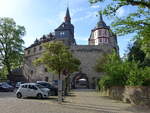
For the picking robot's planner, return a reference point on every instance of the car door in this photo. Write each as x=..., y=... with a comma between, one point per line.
x=24, y=90
x=32, y=90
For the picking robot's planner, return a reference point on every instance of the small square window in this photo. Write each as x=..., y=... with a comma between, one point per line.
x=28, y=51
x=40, y=48
x=45, y=69
x=100, y=40
x=34, y=50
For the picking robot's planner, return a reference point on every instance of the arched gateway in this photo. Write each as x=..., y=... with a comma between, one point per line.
x=80, y=80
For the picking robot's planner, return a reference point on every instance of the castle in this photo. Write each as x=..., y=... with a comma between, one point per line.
x=101, y=41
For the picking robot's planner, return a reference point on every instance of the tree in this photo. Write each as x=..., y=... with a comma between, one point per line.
x=121, y=72
x=58, y=59
x=11, y=44
x=72, y=66
x=115, y=69
x=137, y=54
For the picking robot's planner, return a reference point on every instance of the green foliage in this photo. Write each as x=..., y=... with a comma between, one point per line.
x=3, y=73
x=133, y=70
x=105, y=82
x=120, y=72
x=11, y=49
x=135, y=77
x=58, y=59
x=135, y=52
x=146, y=76
x=138, y=21
x=115, y=69
x=145, y=34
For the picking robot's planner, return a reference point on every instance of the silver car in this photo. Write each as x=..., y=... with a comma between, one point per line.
x=32, y=90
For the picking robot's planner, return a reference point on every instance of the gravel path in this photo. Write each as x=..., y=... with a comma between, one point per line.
x=81, y=101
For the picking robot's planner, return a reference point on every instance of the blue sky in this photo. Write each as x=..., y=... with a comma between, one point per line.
x=42, y=16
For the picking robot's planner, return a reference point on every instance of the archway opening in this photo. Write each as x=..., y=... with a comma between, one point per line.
x=80, y=81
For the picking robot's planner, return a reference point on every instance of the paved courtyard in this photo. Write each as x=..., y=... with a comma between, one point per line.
x=81, y=101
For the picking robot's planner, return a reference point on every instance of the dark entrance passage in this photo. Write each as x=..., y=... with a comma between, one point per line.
x=80, y=81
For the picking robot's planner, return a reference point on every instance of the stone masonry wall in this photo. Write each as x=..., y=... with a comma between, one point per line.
x=130, y=94
x=88, y=55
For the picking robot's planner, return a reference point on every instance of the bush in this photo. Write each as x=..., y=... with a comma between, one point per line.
x=146, y=76
x=122, y=72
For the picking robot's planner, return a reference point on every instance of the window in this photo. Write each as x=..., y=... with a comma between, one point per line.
x=32, y=87
x=45, y=69
x=24, y=86
x=62, y=33
x=40, y=48
x=100, y=40
x=31, y=72
x=106, y=40
x=34, y=50
x=99, y=32
x=105, y=32
x=28, y=51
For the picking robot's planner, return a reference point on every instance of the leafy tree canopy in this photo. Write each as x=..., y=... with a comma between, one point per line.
x=11, y=44
x=57, y=58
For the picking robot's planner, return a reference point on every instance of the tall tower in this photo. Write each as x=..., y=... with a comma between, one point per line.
x=65, y=31
x=102, y=34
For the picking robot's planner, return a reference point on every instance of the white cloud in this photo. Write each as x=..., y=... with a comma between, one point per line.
x=121, y=12
x=11, y=7
x=95, y=6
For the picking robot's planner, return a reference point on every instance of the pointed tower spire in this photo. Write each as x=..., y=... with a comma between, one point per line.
x=101, y=22
x=67, y=17
x=101, y=17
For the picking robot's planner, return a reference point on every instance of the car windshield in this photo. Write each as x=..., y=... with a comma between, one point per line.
x=5, y=84
x=40, y=86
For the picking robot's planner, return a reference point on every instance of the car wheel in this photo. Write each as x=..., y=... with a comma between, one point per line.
x=19, y=95
x=39, y=96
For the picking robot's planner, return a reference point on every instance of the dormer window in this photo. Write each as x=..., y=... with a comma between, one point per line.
x=62, y=33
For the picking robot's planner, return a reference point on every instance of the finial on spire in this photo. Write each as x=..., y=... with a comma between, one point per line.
x=101, y=17
x=101, y=22
x=67, y=17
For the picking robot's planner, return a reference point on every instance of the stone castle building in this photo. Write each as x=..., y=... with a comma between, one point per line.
x=101, y=41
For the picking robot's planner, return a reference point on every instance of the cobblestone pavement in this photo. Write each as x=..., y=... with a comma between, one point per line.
x=81, y=101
